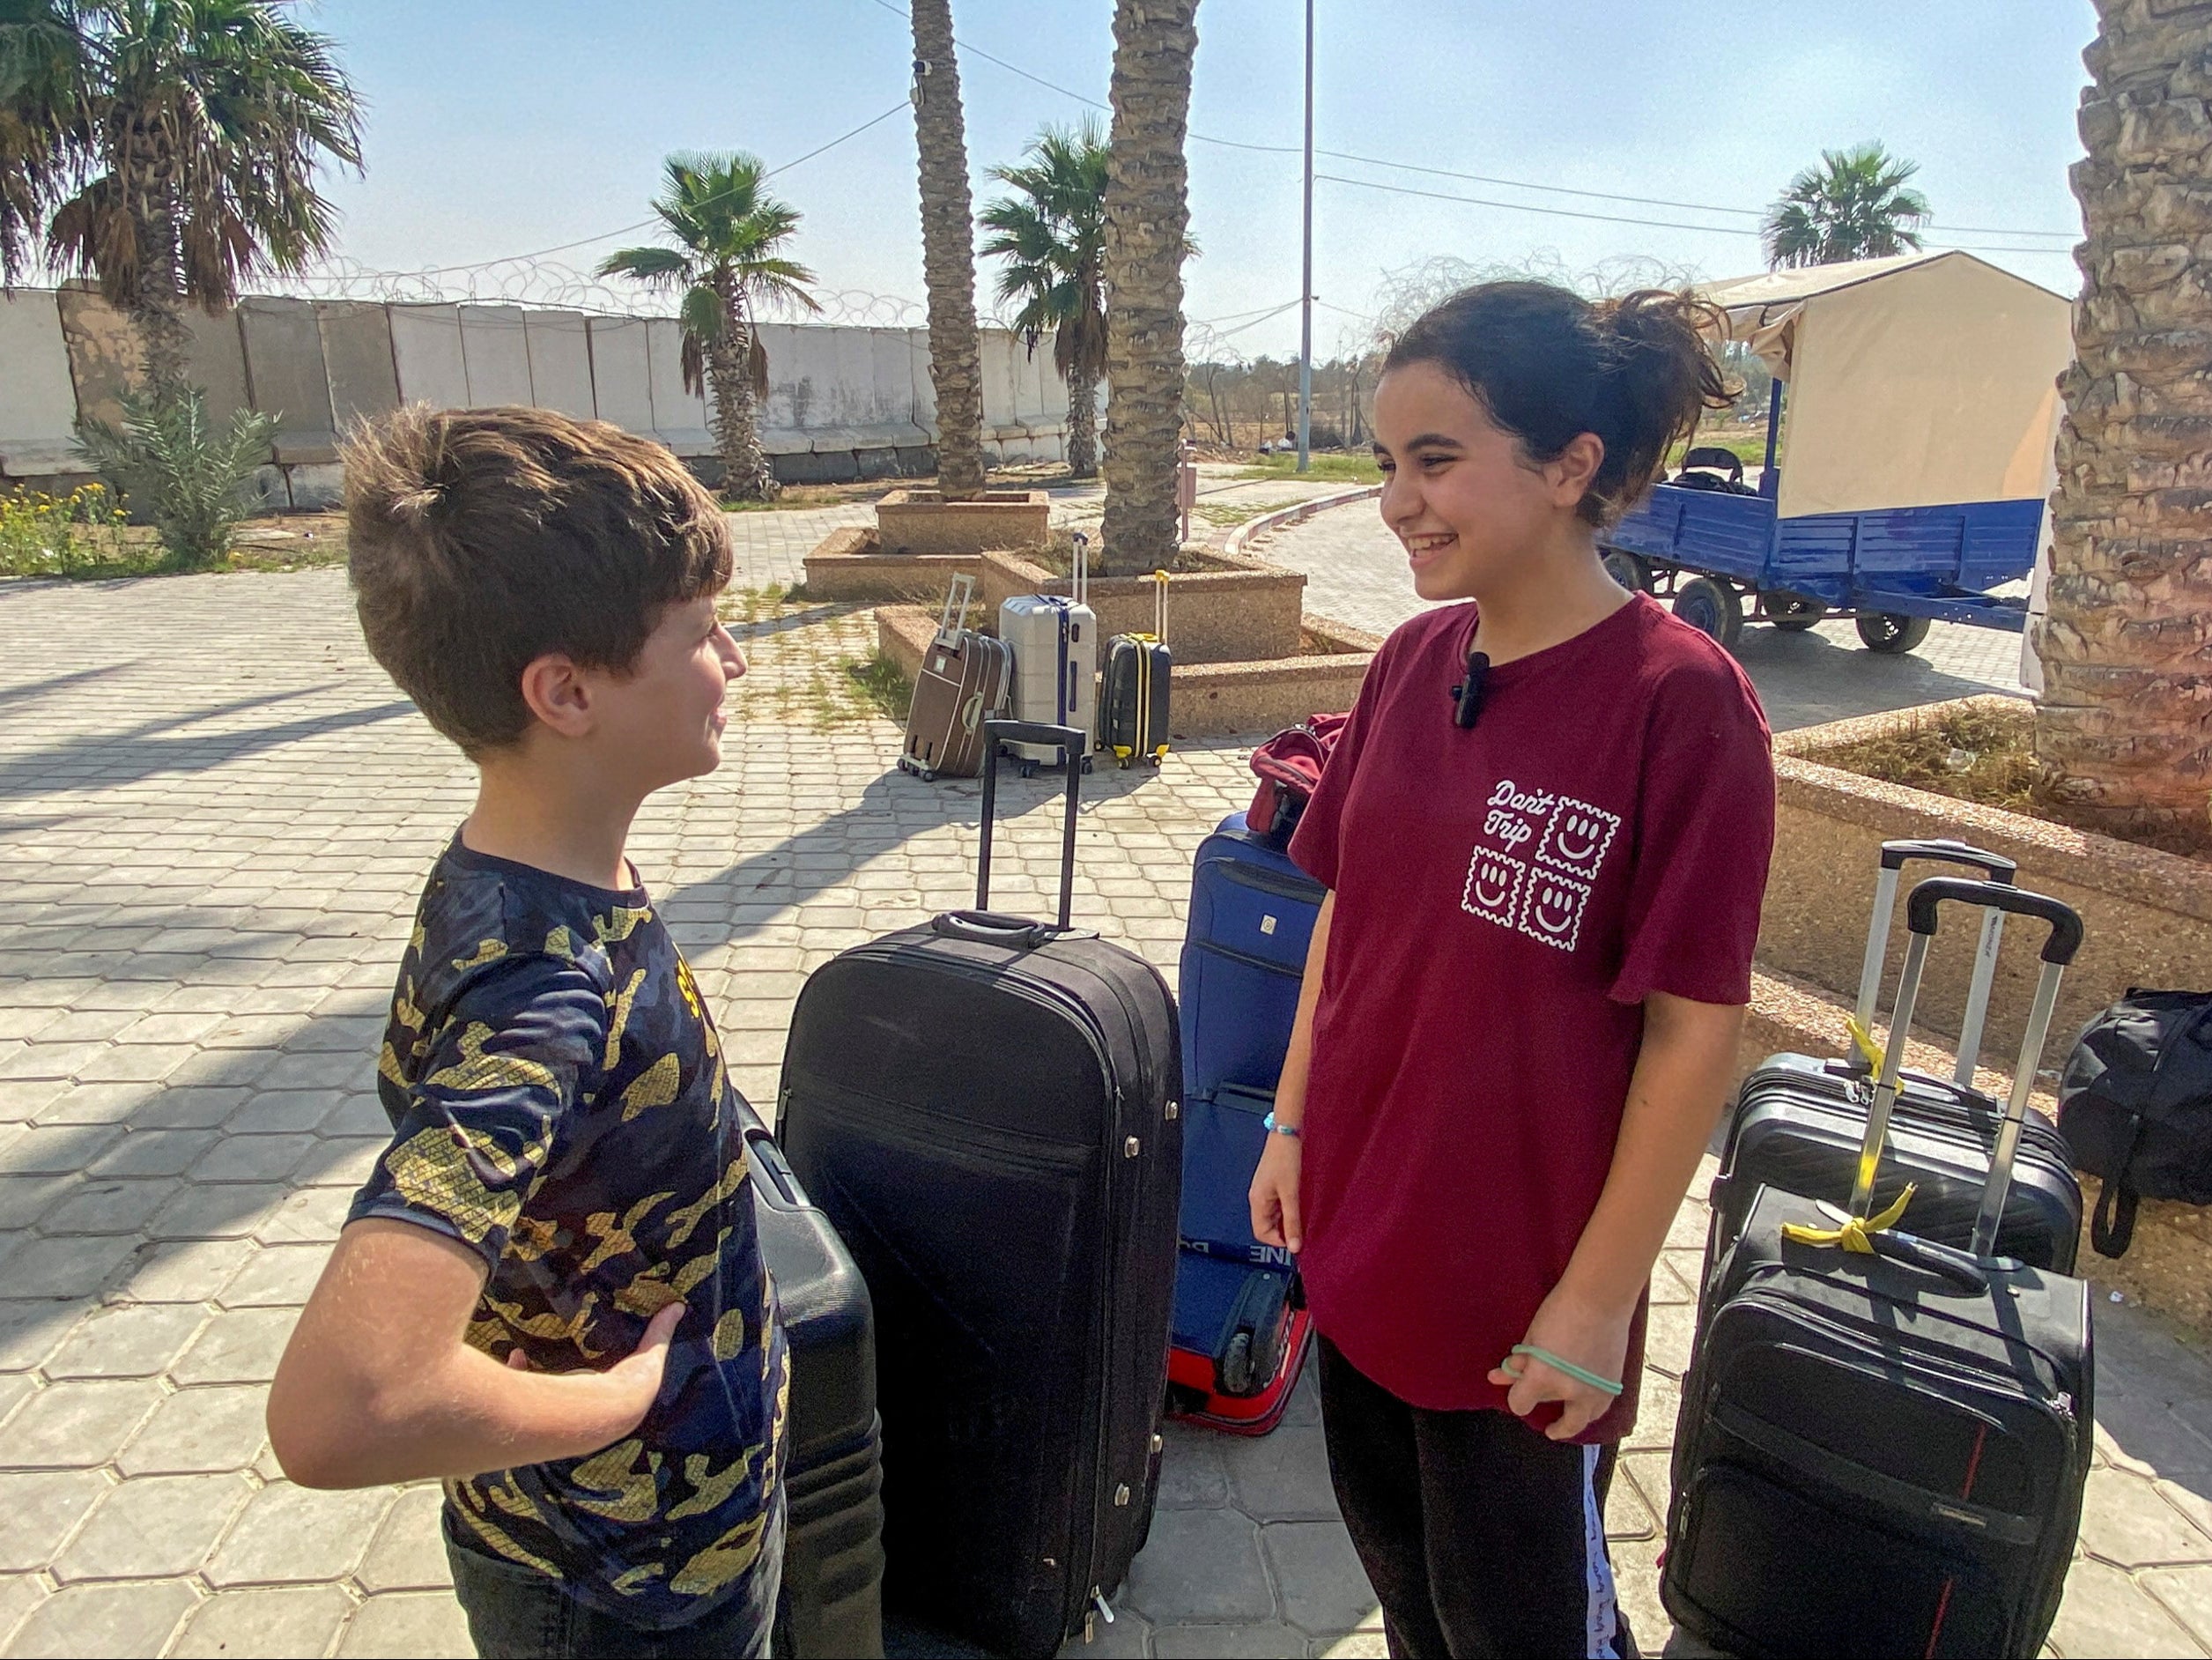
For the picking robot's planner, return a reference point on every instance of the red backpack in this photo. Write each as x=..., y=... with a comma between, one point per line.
x=1289, y=766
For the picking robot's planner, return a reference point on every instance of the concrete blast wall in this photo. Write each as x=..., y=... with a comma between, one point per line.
x=842, y=403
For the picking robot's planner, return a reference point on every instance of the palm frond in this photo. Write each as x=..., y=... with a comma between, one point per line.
x=655, y=267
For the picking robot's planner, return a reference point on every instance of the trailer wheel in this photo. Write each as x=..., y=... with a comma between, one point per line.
x=1628, y=570
x=1890, y=634
x=1792, y=613
x=1711, y=608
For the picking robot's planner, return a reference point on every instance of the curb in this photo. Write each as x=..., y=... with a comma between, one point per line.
x=1296, y=515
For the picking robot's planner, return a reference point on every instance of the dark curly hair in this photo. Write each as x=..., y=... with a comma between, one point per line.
x=1547, y=365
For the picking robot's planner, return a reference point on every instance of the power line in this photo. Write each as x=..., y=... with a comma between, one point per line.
x=1448, y=172
x=1615, y=218
x=563, y=248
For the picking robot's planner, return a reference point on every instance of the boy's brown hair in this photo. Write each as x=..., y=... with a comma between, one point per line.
x=481, y=539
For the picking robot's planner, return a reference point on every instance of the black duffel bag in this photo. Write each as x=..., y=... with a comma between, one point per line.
x=2135, y=1106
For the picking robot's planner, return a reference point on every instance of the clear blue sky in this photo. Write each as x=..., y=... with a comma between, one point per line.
x=498, y=127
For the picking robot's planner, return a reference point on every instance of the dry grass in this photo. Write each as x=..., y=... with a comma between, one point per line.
x=1985, y=756
x=1058, y=555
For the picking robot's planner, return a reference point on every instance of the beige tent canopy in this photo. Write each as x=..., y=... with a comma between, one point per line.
x=1916, y=382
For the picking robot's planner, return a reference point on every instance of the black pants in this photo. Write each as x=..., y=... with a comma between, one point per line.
x=1481, y=1536
x=518, y=1613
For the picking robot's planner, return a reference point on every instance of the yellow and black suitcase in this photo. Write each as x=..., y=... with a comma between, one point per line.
x=1132, y=703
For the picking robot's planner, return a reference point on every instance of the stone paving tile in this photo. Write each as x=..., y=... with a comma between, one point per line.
x=1324, y=1589
x=245, y=1625
x=1200, y=1565
x=199, y=1430
x=135, y=1619
x=78, y=1426
x=239, y=1345
x=156, y=1526
x=277, y=1276
x=293, y=1535
x=190, y=1271
x=1281, y=1477
x=1267, y=1641
x=409, y=1553
x=127, y=1340
x=2105, y=1612
x=38, y=1511
x=20, y=1594
x=408, y=1625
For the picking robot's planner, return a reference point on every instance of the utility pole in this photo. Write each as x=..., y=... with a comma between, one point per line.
x=1306, y=287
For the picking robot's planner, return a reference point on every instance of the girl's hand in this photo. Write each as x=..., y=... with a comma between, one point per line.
x=1596, y=1339
x=1274, y=1196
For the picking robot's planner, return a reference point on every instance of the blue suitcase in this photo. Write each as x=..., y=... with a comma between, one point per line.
x=1241, y=1333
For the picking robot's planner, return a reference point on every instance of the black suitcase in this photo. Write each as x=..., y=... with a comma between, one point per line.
x=1885, y=1451
x=1799, y=1121
x=987, y=1109
x=1133, y=693
x=834, y=1547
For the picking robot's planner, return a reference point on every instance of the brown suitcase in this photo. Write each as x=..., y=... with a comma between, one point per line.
x=963, y=683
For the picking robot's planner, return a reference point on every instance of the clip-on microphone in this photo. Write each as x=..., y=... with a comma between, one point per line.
x=1467, y=697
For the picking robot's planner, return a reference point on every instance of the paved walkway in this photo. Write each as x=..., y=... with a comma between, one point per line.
x=1355, y=573
x=214, y=813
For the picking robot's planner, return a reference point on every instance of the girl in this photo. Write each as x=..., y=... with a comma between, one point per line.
x=1545, y=833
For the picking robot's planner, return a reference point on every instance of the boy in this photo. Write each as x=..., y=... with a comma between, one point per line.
x=549, y=1293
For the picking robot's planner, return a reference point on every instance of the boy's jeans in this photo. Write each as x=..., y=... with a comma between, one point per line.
x=517, y=1613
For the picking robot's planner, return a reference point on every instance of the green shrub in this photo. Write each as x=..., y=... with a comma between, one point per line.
x=180, y=472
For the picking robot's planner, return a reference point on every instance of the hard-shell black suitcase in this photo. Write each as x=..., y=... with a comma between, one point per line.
x=987, y=1109
x=1133, y=690
x=1799, y=1121
x=833, y=1600
x=1883, y=1442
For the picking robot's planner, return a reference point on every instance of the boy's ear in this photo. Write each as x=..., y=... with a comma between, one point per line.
x=558, y=693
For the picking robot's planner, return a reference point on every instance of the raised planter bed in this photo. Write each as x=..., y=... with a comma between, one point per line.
x=1206, y=700
x=923, y=522
x=850, y=564
x=2147, y=915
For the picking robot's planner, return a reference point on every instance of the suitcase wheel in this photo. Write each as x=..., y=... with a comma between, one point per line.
x=929, y=775
x=1087, y=766
x=1236, y=1366
x=1029, y=770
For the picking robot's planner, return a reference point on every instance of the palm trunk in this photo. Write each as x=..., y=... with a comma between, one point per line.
x=1147, y=221
x=156, y=301
x=2124, y=725
x=1083, y=428
x=746, y=475
x=948, y=253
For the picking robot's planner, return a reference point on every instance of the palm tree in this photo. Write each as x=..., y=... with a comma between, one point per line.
x=42, y=127
x=2121, y=726
x=204, y=124
x=1053, y=240
x=731, y=235
x=948, y=253
x=1854, y=205
x=1147, y=235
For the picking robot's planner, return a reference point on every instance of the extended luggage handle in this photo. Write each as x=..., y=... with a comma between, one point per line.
x=1079, y=578
x=1942, y=850
x=1921, y=915
x=956, y=600
x=982, y=923
x=1159, y=606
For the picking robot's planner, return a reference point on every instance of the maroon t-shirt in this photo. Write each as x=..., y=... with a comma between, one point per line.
x=1507, y=896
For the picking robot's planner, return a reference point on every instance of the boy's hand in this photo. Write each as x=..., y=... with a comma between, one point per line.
x=1593, y=1338
x=1274, y=1195
x=634, y=1380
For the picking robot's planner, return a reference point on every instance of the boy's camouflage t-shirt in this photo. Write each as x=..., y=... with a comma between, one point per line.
x=560, y=1105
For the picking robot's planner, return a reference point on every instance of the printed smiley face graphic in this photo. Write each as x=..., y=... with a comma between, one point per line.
x=1578, y=838
x=1494, y=882
x=1553, y=911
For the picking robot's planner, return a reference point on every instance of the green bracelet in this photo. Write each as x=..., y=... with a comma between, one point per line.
x=1579, y=1373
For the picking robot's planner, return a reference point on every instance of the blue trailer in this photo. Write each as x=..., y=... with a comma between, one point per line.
x=1910, y=476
